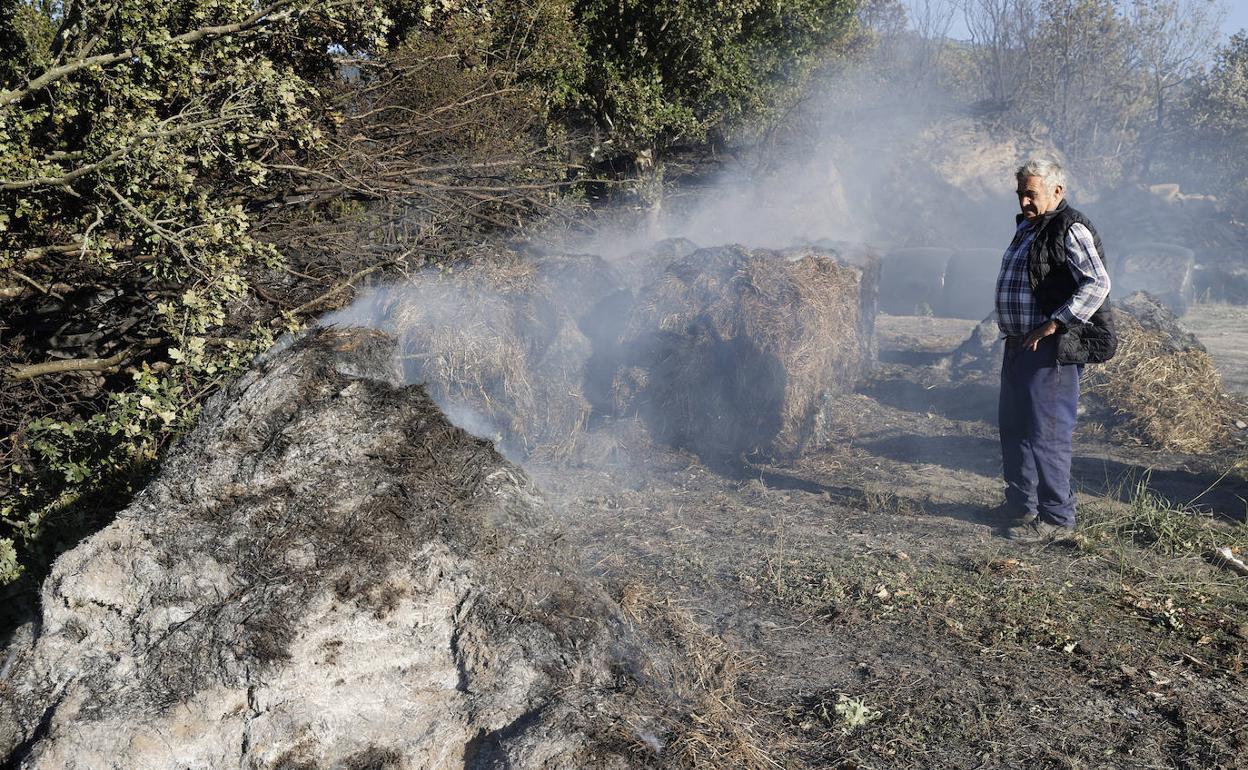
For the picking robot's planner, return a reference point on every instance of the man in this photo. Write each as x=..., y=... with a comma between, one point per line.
x=1050, y=296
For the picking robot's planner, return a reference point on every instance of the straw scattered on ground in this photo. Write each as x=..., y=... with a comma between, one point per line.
x=705, y=727
x=1162, y=397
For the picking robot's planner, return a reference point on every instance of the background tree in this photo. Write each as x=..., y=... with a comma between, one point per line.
x=669, y=71
x=1173, y=40
x=133, y=135
x=1002, y=36
x=1218, y=111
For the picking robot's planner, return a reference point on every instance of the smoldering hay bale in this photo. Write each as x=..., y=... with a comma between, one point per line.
x=1161, y=388
x=735, y=351
x=499, y=347
x=648, y=264
x=866, y=258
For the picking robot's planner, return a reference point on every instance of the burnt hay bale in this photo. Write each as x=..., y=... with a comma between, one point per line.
x=735, y=351
x=327, y=574
x=499, y=346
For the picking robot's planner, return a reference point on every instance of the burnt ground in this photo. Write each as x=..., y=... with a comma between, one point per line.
x=883, y=624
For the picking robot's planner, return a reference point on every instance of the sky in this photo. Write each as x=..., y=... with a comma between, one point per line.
x=1236, y=18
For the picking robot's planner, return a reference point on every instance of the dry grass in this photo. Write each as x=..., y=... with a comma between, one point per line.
x=1162, y=398
x=705, y=727
x=490, y=339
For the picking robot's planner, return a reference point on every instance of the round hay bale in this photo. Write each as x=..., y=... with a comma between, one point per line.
x=912, y=281
x=867, y=258
x=498, y=354
x=971, y=283
x=735, y=351
x=1159, y=394
x=1162, y=269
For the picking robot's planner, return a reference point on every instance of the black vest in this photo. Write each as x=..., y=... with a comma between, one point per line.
x=1053, y=285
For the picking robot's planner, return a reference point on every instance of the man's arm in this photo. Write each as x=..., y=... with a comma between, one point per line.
x=1089, y=272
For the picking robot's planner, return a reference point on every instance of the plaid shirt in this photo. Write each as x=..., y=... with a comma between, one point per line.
x=1017, y=310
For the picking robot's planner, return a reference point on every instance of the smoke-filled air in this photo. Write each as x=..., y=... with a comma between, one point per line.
x=608, y=384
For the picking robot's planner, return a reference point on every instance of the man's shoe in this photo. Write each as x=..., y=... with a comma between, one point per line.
x=1007, y=515
x=1037, y=531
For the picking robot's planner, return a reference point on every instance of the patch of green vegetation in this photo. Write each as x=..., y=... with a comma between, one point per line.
x=1150, y=521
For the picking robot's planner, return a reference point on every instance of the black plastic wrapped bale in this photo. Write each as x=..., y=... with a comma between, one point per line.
x=1164, y=270
x=1222, y=282
x=912, y=281
x=971, y=283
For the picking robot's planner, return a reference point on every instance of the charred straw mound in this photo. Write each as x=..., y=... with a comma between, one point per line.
x=498, y=343
x=979, y=355
x=1161, y=389
x=735, y=351
x=326, y=573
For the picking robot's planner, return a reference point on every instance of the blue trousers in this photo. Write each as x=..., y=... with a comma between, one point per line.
x=1036, y=415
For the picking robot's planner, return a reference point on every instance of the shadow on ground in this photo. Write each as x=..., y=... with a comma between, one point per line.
x=846, y=495
x=970, y=401
x=1225, y=496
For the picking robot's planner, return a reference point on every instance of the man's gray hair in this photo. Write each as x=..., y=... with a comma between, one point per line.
x=1048, y=170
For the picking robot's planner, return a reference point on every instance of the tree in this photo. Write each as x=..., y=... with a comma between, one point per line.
x=1173, y=39
x=1219, y=110
x=664, y=72
x=133, y=136
x=1003, y=41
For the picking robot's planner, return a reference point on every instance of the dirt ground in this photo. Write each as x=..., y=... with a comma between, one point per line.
x=883, y=624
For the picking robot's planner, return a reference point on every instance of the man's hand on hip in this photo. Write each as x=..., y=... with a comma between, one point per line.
x=1032, y=340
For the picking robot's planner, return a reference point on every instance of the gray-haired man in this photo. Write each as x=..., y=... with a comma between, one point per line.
x=1050, y=296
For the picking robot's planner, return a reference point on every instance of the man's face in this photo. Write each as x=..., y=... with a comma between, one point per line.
x=1035, y=198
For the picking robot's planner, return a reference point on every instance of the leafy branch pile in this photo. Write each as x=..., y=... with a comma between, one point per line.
x=182, y=180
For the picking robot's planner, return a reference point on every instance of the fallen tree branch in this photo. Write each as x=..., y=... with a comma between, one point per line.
x=35, y=284
x=31, y=371
x=36, y=253
x=336, y=289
